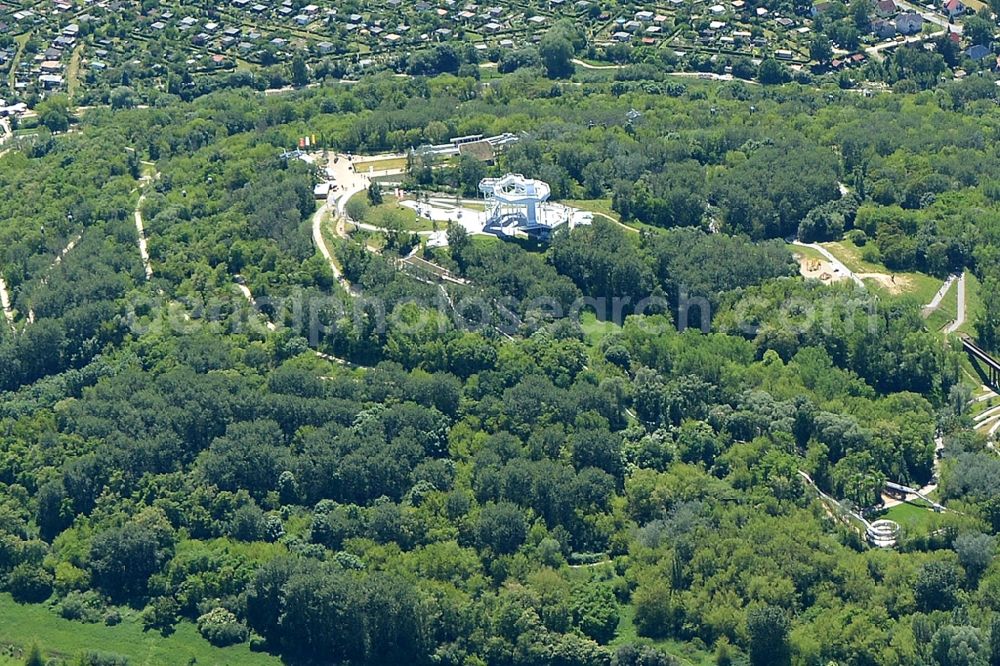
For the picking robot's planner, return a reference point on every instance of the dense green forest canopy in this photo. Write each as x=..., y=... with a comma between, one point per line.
x=563, y=492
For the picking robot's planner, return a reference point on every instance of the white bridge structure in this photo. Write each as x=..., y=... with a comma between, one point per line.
x=881, y=533
x=515, y=204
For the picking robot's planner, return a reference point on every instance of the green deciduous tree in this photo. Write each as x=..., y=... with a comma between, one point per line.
x=767, y=628
x=556, y=53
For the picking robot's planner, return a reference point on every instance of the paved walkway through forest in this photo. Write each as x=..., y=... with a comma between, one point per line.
x=960, y=314
x=8, y=312
x=143, y=251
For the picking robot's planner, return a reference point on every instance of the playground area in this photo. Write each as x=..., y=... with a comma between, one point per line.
x=819, y=269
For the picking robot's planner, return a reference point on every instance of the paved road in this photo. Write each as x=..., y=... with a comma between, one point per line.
x=690, y=75
x=960, y=316
x=876, y=51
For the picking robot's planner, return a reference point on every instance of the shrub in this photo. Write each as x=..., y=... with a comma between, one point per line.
x=871, y=254
x=161, y=614
x=34, y=656
x=95, y=658
x=82, y=606
x=29, y=583
x=220, y=628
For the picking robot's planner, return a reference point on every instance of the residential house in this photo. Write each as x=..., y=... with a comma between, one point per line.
x=820, y=8
x=954, y=8
x=883, y=29
x=50, y=81
x=909, y=23
x=977, y=52
x=885, y=8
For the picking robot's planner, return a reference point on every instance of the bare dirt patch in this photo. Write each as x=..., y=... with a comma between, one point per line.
x=894, y=284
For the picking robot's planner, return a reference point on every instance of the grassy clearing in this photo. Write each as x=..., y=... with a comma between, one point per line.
x=602, y=206
x=920, y=286
x=594, y=330
x=485, y=240
x=807, y=253
x=20, y=625
x=73, y=71
x=20, y=40
x=913, y=516
x=685, y=652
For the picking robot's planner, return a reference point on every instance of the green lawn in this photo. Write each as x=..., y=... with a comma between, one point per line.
x=485, y=240
x=912, y=516
x=380, y=164
x=594, y=330
x=390, y=211
x=21, y=625
x=808, y=252
x=602, y=206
